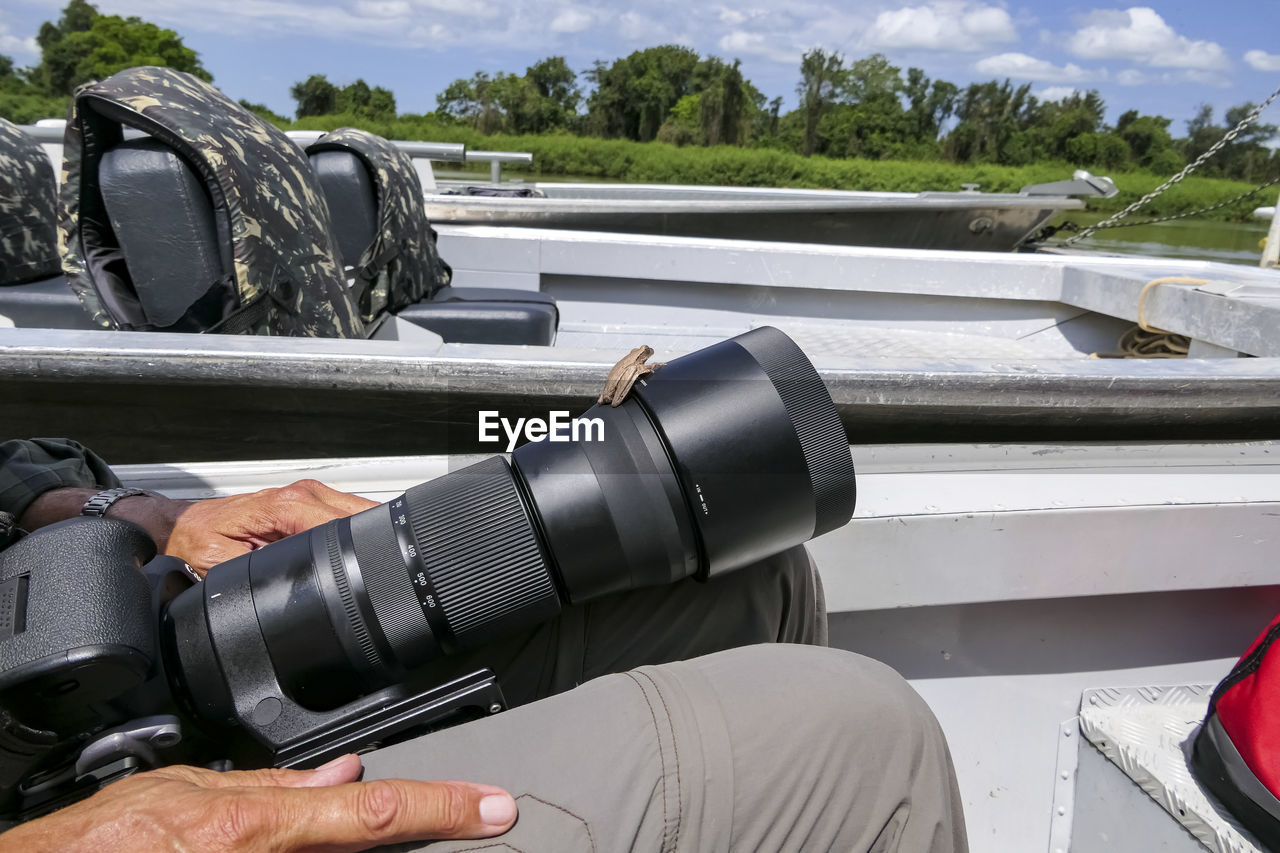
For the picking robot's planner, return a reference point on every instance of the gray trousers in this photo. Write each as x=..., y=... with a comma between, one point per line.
x=764, y=747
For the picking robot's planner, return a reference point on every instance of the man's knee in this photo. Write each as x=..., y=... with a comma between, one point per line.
x=845, y=695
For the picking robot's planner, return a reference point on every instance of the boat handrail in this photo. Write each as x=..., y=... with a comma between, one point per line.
x=495, y=159
x=51, y=131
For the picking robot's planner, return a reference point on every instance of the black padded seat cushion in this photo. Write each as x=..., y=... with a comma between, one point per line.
x=163, y=220
x=484, y=315
x=352, y=200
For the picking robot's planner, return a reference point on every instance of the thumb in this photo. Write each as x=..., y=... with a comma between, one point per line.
x=365, y=814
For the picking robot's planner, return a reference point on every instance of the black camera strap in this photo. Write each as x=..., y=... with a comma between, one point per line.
x=21, y=748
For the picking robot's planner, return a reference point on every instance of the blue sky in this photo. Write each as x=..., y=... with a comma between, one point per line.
x=1165, y=58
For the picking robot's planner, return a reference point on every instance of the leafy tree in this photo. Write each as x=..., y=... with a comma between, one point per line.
x=869, y=119
x=821, y=78
x=557, y=87
x=382, y=103
x=264, y=112
x=868, y=77
x=23, y=103
x=727, y=102
x=316, y=96
x=930, y=104
x=634, y=95
x=56, y=71
x=1097, y=149
x=1149, y=141
x=684, y=123
x=85, y=45
x=775, y=107
x=489, y=104
x=544, y=98
x=359, y=100
x=995, y=120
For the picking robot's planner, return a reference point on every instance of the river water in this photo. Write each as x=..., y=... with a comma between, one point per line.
x=1195, y=239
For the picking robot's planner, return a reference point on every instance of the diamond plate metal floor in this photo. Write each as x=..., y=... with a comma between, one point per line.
x=1142, y=730
x=818, y=339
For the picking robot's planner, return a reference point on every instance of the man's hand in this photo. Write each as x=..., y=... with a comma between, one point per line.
x=190, y=809
x=206, y=533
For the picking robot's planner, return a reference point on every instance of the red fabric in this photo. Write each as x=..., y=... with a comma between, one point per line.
x=1250, y=713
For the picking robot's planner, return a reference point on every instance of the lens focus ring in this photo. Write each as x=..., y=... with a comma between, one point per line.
x=481, y=553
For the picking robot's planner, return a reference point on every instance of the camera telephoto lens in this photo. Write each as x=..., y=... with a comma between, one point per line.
x=717, y=459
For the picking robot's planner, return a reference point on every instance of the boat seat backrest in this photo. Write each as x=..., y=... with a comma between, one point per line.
x=163, y=220
x=270, y=267
x=352, y=200
x=379, y=213
x=28, y=209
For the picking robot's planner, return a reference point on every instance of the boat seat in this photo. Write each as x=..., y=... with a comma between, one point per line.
x=28, y=209
x=457, y=314
x=487, y=315
x=163, y=221
x=352, y=200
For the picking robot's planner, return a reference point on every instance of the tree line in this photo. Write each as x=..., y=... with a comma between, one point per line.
x=864, y=108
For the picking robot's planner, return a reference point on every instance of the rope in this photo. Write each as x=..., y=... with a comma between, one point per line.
x=1187, y=170
x=1145, y=340
x=1152, y=285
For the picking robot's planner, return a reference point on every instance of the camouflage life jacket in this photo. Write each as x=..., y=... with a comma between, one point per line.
x=402, y=265
x=28, y=209
x=284, y=277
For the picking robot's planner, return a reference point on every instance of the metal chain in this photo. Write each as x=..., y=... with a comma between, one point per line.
x=1191, y=167
x=1209, y=209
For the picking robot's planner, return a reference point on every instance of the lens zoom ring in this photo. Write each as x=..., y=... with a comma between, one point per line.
x=480, y=550
x=354, y=619
x=816, y=421
x=389, y=589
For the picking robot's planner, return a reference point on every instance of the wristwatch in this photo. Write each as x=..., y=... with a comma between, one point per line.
x=102, y=501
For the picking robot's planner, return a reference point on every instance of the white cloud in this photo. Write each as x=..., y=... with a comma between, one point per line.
x=1135, y=77
x=571, y=20
x=1023, y=67
x=383, y=8
x=740, y=43
x=942, y=25
x=637, y=27
x=1056, y=93
x=1140, y=35
x=1260, y=60
x=16, y=46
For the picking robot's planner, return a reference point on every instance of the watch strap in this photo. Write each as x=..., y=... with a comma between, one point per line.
x=102, y=501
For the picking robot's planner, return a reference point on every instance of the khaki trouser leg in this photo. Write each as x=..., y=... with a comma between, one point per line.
x=779, y=747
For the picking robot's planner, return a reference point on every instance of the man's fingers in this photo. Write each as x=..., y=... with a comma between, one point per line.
x=339, y=771
x=343, y=501
x=365, y=814
x=307, y=503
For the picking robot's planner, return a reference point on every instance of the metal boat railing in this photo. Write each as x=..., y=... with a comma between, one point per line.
x=50, y=131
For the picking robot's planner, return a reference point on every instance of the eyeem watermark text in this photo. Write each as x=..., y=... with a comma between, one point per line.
x=559, y=426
